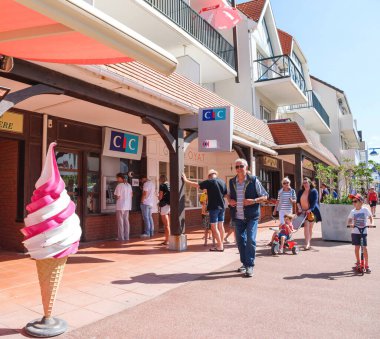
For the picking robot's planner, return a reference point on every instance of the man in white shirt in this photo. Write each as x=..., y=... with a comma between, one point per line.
x=147, y=201
x=123, y=194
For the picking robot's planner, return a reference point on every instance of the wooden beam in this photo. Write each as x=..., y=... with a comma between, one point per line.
x=191, y=137
x=26, y=93
x=160, y=128
x=27, y=72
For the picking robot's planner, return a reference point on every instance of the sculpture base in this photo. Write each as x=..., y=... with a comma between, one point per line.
x=46, y=327
x=178, y=243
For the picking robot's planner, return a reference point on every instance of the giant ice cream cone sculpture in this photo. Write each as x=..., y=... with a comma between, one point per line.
x=52, y=232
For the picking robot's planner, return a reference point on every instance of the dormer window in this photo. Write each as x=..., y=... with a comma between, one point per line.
x=267, y=37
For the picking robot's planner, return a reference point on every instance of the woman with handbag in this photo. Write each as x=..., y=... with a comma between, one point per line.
x=307, y=202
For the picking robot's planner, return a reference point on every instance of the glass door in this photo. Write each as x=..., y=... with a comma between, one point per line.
x=69, y=165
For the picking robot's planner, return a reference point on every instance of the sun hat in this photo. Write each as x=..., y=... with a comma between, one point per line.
x=212, y=171
x=356, y=196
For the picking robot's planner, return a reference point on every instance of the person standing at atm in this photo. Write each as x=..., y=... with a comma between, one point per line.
x=123, y=194
x=147, y=201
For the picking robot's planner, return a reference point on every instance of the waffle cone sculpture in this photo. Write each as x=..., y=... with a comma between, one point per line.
x=52, y=232
x=50, y=272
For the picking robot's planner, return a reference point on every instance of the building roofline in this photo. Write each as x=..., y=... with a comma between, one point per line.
x=327, y=84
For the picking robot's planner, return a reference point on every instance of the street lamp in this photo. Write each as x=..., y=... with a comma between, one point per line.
x=374, y=153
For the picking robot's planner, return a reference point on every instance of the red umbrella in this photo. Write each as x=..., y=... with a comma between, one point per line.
x=220, y=15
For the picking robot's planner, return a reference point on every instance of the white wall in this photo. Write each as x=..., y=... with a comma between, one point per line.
x=328, y=99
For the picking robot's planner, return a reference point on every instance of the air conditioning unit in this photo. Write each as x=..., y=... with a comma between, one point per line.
x=6, y=63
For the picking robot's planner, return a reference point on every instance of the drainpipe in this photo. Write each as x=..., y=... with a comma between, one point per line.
x=236, y=46
x=44, y=137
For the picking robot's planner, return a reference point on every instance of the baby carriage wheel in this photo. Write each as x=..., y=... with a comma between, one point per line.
x=275, y=248
x=295, y=250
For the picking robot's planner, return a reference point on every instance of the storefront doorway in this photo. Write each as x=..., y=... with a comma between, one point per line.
x=11, y=199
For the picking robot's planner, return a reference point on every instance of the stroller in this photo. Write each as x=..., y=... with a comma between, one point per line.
x=290, y=244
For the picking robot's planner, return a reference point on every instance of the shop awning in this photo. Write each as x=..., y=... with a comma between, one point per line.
x=290, y=135
x=73, y=32
x=261, y=148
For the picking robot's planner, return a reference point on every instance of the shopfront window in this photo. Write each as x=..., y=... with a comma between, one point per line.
x=163, y=169
x=192, y=194
x=68, y=167
x=93, y=183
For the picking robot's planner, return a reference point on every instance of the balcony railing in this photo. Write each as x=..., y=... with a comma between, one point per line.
x=185, y=17
x=313, y=101
x=279, y=67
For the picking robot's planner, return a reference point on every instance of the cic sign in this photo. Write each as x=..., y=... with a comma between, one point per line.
x=121, y=144
x=215, y=127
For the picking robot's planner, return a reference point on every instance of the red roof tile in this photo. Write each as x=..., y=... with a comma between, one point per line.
x=292, y=134
x=286, y=41
x=252, y=9
x=184, y=90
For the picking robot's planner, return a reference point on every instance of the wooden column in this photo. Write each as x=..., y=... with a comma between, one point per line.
x=177, y=187
x=298, y=172
x=174, y=141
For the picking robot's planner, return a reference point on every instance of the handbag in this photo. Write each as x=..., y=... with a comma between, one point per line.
x=310, y=217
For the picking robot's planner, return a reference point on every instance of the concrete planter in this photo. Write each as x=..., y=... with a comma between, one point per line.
x=334, y=222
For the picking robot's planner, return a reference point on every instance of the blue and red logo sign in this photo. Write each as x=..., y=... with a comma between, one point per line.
x=214, y=114
x=124, y=142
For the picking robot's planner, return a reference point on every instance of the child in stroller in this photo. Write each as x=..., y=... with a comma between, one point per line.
x=281, y=237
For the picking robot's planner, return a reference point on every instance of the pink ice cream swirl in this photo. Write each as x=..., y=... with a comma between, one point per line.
x=52, y=229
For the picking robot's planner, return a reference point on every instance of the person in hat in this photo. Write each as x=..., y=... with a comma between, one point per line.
x=358, y=219
x=372, y=200
x=216, y=191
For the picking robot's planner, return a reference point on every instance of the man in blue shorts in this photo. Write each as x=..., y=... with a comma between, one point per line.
x=216, y=191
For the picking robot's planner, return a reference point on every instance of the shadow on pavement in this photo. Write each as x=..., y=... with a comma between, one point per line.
x=175, y=278
x=326, y=276
x=86, y=260
x=7, y=331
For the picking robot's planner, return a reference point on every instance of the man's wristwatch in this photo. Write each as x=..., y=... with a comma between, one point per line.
x=254, y=201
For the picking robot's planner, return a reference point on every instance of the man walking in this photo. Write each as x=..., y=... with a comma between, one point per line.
x=123, y=194
x=216, y=190
x=245, y=195
x=147, y=201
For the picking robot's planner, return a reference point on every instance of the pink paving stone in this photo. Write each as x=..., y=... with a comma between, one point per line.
x=106, y=307
x=17, y=320
x=80, y=317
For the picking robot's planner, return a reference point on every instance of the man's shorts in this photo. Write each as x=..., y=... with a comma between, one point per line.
x=372, y=203
x=165, y=210
x=216, y=216
x=356, y=239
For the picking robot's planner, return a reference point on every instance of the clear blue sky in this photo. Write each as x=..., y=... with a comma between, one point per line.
x=341, y=41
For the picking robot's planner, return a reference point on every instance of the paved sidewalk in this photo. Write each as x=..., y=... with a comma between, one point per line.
x=104, y=278
x=315, y=294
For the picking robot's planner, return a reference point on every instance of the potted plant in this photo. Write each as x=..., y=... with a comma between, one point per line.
x=344, y=179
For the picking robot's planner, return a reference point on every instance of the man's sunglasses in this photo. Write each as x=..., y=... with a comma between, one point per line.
x=354, y=201
x=239, y=166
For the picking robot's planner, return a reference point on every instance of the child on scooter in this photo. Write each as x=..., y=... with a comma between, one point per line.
x=358, y=219
x=285, y=231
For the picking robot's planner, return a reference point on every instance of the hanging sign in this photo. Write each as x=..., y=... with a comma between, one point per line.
x=270, y=162
x=122, y=144
x=12, y=122
x=215, y=127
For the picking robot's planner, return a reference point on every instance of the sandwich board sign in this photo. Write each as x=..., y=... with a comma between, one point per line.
x=215, y=129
